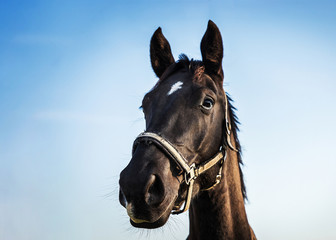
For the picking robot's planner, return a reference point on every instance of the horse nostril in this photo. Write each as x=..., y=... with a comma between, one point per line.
x=155, y=191
x=122, y=198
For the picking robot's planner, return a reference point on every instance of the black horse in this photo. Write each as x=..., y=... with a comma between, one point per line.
x=189, y=155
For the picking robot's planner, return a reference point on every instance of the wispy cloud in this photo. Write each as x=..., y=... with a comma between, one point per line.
x=75, y=117
x=43, y=39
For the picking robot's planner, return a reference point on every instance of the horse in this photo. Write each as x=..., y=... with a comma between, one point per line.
x=189, y=156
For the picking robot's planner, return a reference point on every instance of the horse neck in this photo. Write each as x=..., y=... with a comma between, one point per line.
x=220, y=212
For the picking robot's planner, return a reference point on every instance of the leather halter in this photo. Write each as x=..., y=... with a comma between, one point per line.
x=191, y=172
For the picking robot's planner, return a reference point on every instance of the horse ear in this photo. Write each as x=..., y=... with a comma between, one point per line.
x=160, y=53
x=212, y=50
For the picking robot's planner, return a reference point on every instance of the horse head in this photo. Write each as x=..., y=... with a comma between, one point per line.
x=182, y=150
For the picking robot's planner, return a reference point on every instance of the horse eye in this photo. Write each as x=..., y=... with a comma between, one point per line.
x=207, y=103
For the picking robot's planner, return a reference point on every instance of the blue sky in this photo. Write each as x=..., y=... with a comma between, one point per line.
x=72, y=76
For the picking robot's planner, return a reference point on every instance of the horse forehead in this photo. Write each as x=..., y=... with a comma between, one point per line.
x=175, y=85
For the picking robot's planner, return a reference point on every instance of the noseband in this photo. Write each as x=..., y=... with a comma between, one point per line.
x=191, y=172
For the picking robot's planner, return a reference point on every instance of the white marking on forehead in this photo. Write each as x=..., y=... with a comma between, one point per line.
x=175, y=87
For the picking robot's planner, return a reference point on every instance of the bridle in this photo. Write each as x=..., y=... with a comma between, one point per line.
x=191, y=172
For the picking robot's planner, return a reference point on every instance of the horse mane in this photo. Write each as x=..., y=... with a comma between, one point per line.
x=196, y=68
x=235, y=129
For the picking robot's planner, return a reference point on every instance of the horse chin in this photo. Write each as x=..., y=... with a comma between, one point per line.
x=151, y=225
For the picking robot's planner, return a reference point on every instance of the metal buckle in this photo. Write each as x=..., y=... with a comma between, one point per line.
x=191, y=175
x=228, y=127
x=218, y=178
